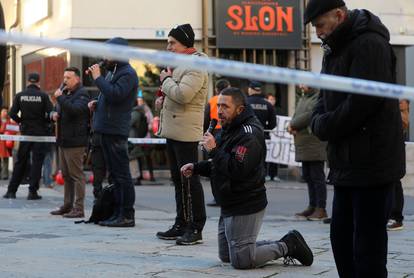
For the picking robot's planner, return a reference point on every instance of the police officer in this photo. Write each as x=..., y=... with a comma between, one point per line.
x=34, y=107
x=266, y=114
x=263, y=109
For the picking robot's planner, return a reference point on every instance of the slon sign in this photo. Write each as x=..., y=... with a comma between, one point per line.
x=266, y=24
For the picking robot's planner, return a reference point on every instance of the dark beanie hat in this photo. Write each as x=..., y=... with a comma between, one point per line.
x=316, y=8
x=184, y=34
x=118, y=40
x=33, y=77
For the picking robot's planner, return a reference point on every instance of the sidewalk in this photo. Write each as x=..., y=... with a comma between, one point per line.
x=35, y=244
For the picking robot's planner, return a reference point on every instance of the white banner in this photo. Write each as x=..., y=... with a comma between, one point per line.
x=280, y=146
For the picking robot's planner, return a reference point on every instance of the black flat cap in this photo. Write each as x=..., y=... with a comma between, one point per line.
x=316, y=8
x=33, y=77
x=255, y=85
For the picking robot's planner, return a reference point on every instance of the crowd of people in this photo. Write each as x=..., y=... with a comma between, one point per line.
x=361, y=138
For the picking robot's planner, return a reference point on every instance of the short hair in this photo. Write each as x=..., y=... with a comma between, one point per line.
x=222, y=84
x=74, y=70
x=239, y=98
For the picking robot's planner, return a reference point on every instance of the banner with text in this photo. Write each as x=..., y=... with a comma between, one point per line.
x=280, y=146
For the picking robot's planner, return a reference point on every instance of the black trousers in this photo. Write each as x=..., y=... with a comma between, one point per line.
x=98, y=163
x=180, y=153
x=38, y=151
x=358, y=230
x=115, y=149
x=314, y=176
x=398, y=203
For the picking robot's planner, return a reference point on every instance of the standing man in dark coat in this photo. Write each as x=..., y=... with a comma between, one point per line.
x=365, y=141
x=34, y=107
x=111, y=122
x=72, y=117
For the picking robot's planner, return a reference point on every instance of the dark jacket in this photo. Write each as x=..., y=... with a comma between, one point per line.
x=73, y=123
x=263, y=110
x=364, y=134
x=307, y=146
x=35, y=107
x=115, y=102
x=237, y=167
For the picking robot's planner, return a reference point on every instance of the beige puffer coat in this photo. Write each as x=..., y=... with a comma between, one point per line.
x=182, y=114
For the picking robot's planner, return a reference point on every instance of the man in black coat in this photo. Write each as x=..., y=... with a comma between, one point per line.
x=236, y=168
x=72, y=117
x=365, y=142
x=34, y=107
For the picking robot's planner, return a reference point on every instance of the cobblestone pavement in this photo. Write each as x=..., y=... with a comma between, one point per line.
x=34, y=243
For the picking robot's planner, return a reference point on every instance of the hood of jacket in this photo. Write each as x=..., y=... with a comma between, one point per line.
x=358, y=22
x=240, y=119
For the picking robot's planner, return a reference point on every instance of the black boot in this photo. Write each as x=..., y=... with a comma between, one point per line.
x=297, y=248
x=9, y=195
x=33, y=196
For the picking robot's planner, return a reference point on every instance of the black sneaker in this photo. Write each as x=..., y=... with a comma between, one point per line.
x=327, y=220
x=9, y=195
x=172, y=234
x=121, y=222
x=190, y=237
x=33, y=196
x=297, y=248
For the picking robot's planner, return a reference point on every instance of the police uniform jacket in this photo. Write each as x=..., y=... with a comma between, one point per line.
x=35, y=107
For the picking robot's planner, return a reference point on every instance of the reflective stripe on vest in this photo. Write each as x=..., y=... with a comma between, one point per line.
x=213, y=110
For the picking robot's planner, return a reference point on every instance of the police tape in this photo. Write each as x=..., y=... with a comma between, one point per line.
x=220, y=66
x=52, y=139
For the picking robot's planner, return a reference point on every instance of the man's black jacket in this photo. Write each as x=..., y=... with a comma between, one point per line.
x=236, y=166
x=35, y=107
x=73, y=123
x=364, y=134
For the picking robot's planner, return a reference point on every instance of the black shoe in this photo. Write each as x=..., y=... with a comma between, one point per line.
x=33, y=196
x=297, y=248
x=190, y=237
x=109, y=220
x=212, y=203
x=121, y=222
x=172, y=234
x=137, y=182
x=327, y=220
x=9, y=195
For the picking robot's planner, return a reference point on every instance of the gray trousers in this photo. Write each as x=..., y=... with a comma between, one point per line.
x=237, y=242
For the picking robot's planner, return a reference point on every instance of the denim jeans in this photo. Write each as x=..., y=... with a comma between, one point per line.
x=314, y=176
x=115, y=150
x=237, y=242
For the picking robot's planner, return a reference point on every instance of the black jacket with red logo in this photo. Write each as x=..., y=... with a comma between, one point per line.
x=237, y=166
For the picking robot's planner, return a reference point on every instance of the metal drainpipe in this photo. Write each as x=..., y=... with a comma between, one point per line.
x=13, y=47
